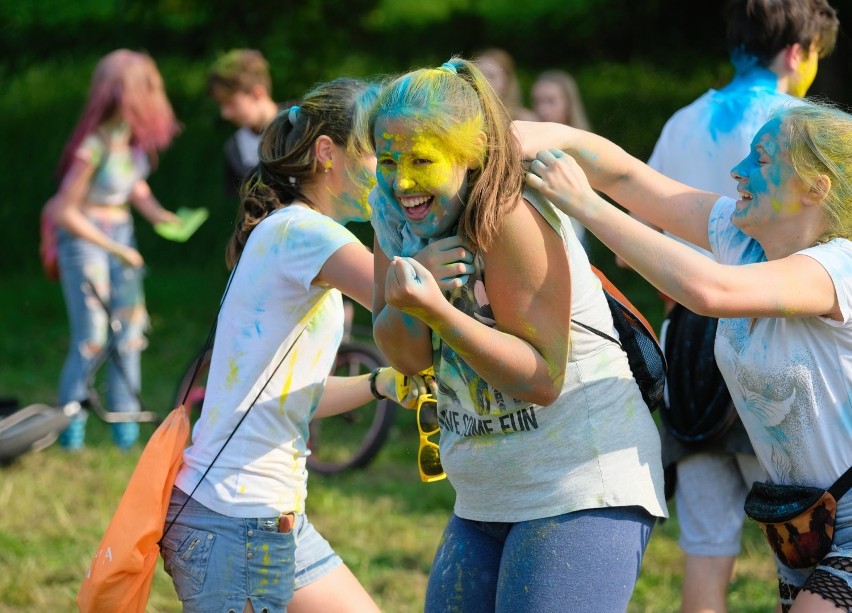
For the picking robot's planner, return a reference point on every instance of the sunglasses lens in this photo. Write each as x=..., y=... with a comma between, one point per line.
x=427, y=417
x=430, y=461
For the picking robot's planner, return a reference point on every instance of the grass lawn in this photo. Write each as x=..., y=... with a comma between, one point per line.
x=382, y=520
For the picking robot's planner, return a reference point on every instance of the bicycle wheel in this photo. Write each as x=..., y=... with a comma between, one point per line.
x=351, y=440
x=195, y=381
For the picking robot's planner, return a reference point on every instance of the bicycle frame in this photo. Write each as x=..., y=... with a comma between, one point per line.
x=109, y=352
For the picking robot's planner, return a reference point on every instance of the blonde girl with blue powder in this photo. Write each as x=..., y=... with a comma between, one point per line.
x=242, y=542
x=780, y=281
x=554, y=457
x=126, y=122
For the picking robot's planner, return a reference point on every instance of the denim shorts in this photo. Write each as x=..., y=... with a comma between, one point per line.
x=217, y=562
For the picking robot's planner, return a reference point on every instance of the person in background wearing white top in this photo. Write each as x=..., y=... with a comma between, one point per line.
x=780, y=282
x=774, y=48
x=237, y=537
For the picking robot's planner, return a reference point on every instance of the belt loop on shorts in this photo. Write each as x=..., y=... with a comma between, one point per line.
x=286, y=521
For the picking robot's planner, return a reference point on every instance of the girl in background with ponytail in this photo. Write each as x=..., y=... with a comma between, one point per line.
x=544, y=435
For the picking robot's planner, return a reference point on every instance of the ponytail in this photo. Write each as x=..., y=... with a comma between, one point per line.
x=286, y=162
x=495, y=187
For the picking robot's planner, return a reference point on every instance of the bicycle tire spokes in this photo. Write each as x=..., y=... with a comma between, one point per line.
x=353, y=439
x=336, y=444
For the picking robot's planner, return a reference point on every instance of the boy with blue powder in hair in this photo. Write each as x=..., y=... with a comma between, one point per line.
x=239, y=82
x=775, y=46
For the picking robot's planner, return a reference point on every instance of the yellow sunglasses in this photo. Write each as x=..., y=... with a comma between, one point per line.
x=428, y=454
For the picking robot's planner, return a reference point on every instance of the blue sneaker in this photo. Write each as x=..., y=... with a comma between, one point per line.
x=124, y=435
x=73, y=437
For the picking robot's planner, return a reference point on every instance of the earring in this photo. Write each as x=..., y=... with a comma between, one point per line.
x=327, y=166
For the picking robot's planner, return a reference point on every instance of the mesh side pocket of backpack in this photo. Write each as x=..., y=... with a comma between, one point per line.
x=644, y=353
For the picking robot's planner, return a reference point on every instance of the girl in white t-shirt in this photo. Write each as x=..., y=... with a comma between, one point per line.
x=781, y=286
x=237, y=537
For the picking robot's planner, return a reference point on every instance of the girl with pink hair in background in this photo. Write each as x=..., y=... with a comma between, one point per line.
x=126, y=122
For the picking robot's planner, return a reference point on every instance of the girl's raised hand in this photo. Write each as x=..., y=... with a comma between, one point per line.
x=450, y=261
x=536, y=136
x=558, y=177
x=410, y=287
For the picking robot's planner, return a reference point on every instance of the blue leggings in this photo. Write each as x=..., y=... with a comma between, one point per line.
x=583, y=561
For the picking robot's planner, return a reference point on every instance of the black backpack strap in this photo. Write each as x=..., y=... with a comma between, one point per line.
x=603, y=335
x=842, y=485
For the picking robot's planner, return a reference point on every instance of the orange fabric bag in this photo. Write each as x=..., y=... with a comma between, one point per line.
x=120, y=576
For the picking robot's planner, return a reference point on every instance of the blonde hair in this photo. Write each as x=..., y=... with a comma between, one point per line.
x=456, y=104
x=820, y=141
x=576, y=112
x=511, y=98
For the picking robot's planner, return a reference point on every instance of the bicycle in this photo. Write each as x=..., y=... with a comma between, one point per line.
x=109, y=351
x=338, y=443
x=37, y=426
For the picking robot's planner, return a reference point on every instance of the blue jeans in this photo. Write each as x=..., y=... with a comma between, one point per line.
x=217, y=562
x=120, y=287
x=583, y=561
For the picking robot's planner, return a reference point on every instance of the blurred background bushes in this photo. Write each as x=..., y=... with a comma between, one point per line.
x=635, y=62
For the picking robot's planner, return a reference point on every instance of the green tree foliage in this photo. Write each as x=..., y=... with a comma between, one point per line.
x=635, y=62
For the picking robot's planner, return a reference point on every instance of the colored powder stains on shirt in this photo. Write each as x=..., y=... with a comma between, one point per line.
x=214, y=414
x=288, y=382
x=233, y=373
x=299, y=503
x=741, y=94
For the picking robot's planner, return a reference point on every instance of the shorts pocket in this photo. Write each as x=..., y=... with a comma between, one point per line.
x=186, y=553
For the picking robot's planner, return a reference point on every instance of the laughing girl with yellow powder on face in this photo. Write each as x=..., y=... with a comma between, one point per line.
x=553, y=455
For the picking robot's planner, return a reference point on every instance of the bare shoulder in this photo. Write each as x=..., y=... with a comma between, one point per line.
x=522, y=222
x=526, y=246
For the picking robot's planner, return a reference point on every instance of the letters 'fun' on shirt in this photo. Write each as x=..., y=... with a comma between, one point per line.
x=596, y=446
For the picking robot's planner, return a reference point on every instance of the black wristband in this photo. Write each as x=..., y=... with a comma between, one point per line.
x=373, y=389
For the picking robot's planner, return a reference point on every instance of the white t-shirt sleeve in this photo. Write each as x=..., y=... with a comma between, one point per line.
x=304, y=242
x=91, y=150
x=836, y=258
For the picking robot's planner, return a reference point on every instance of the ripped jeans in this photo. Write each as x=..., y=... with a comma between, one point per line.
x=83, y=266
